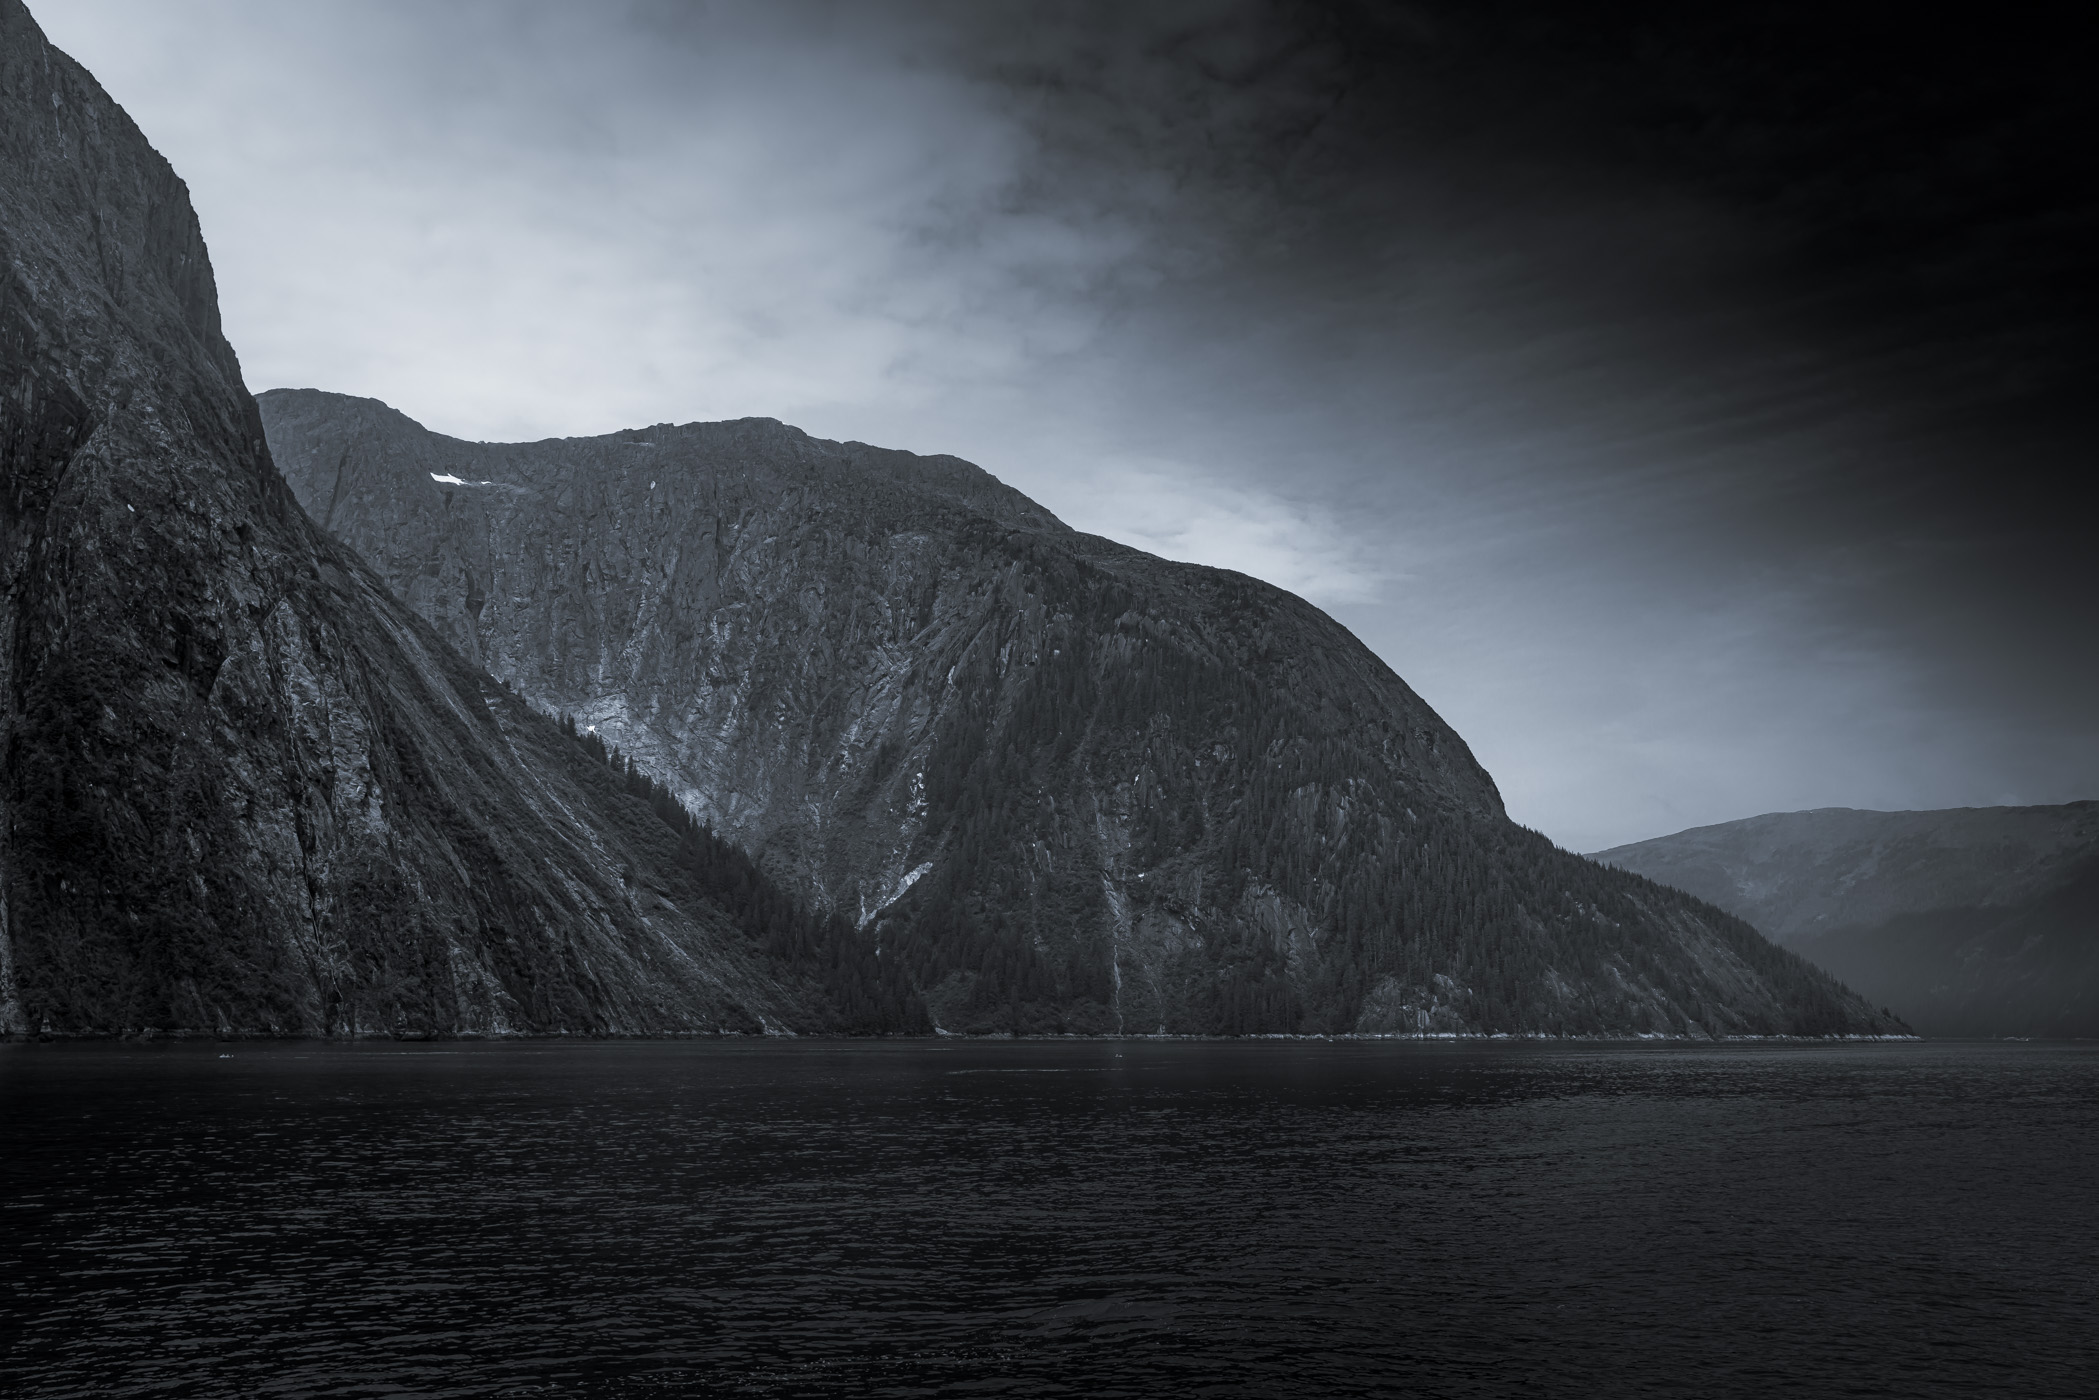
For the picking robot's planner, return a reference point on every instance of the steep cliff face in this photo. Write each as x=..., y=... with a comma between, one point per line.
x=242, y=788
x=1971, y=921
x=1070, y=785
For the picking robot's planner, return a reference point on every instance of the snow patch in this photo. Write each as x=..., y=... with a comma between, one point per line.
x=908, y=881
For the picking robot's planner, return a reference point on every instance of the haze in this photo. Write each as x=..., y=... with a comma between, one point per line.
x=1685, y=407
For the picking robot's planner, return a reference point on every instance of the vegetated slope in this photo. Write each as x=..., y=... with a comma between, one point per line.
x=244, y=788
x=1973, y=921
x=1070, y=786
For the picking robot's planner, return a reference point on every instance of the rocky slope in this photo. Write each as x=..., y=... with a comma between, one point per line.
x=244, y=789
x=1974, y=921
x=1070, y=786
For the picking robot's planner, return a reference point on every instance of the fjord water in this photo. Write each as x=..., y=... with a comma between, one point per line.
x=1048, y=1218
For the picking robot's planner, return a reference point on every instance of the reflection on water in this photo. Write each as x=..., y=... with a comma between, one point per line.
x=1047, y=1218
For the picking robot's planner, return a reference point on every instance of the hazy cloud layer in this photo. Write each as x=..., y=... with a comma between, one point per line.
x=1683, y=415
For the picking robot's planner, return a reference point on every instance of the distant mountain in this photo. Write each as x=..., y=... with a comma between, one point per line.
x=244, y=789
x=1974, y=921
x=1069, y=786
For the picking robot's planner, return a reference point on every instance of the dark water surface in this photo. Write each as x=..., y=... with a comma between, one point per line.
x=1021, y=1219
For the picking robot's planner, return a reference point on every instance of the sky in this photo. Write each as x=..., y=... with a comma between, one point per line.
x=1689, y=402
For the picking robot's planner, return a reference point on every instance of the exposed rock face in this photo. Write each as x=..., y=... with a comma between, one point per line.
x=244, y=789
x=1973, y=921
x=1074, y=786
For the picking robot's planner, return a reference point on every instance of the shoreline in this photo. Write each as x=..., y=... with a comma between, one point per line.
x=155, y=1036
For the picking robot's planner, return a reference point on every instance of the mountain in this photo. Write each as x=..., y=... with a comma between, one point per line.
x=1973, y=921
x=1070, y=786
x=244, y=789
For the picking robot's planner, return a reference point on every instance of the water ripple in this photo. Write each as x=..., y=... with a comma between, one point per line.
x=1047, y=1219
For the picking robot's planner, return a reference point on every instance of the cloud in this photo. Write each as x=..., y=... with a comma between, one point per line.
x=522, y=219
x=1482, y=328
x=1181, y=512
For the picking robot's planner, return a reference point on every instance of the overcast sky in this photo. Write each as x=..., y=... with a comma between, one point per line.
x=1687, y=406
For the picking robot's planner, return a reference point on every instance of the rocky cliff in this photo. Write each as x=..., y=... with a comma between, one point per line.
x=242, y=788
x=1069, y=785
x=1972, y=921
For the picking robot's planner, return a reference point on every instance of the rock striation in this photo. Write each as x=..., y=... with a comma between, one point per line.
x=1969, y=921
x=1071, y=786
x=242, y=788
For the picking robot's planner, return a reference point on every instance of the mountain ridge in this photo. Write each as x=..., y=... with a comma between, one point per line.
x=1078, y=787
x=1969, y=921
